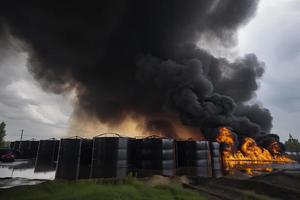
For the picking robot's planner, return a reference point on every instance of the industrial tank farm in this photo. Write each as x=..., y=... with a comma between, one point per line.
x=114, y=156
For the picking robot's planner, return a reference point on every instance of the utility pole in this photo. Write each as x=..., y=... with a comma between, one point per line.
x=22, y=131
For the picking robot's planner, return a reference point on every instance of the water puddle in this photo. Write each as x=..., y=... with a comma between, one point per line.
x=25, y=172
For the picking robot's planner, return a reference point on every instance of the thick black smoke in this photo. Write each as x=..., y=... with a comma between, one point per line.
x=140, y=58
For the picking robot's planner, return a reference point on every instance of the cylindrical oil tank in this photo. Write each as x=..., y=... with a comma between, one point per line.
x=193, y=158
x=216, y=160
x=47, y=155
x=34, y=145
x=85, y=158
x=17, y=145
x=154, y=155
x=47, y=150
x=24, y=149
x=68, y=159
x=74, y=158
x=28, y=148
x=16, y=149
x=110, y=157
x=11, y=145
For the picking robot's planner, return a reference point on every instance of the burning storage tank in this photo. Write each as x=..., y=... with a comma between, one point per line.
x=154, y=155
x=111, y=155
x=194, y=158
x=74, y=158
x=247, y=155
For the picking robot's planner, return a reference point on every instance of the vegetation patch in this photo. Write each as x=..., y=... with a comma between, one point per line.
x=130, y=189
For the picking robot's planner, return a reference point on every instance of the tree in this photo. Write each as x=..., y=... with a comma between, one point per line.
x=292, y=145
x=2, y=132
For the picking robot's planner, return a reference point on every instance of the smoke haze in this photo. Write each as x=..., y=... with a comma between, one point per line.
x=139, y=59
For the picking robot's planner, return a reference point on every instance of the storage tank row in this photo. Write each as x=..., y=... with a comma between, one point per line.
x=106, y=157
x=25, y=149
x=44, y=152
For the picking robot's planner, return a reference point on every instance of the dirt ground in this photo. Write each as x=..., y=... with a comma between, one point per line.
x=284, y=184
x=277, y=185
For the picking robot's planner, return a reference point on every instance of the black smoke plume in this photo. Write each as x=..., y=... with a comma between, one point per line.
x=140, y=58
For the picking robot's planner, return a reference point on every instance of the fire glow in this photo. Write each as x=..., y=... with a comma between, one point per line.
x=249, y=153
x=136, y=126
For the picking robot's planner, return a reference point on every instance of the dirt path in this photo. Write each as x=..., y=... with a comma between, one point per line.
x=281, y=185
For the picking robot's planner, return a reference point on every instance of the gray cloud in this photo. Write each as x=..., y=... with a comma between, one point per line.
x=274, y=36
x=23, y=104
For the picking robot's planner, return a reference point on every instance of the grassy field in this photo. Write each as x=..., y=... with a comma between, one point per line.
x=92, y=190
x=274, y=186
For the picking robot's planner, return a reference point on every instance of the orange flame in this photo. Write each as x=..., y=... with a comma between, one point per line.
x=249, y=154
x=226, y=136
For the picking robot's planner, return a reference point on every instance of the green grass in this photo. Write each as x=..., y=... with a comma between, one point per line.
x=92, y=190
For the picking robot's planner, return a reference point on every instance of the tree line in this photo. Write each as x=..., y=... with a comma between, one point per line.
x=292, y=145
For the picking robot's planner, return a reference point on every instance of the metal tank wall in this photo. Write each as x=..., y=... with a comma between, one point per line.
x=216, y=160
x=154, y=155
x=74, y=159
x=68, y=159
x=85, y=158
x=34, y=146
x=47, y=155
x=11, y=145
x=194, y=158
x=47, y=150
x=16, y=145
x=110, y=157
x=28, y=149
x=16, y=149
x=24, y=149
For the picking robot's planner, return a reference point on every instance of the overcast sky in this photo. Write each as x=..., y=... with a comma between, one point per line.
x=23, y=104
x=273, y=35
